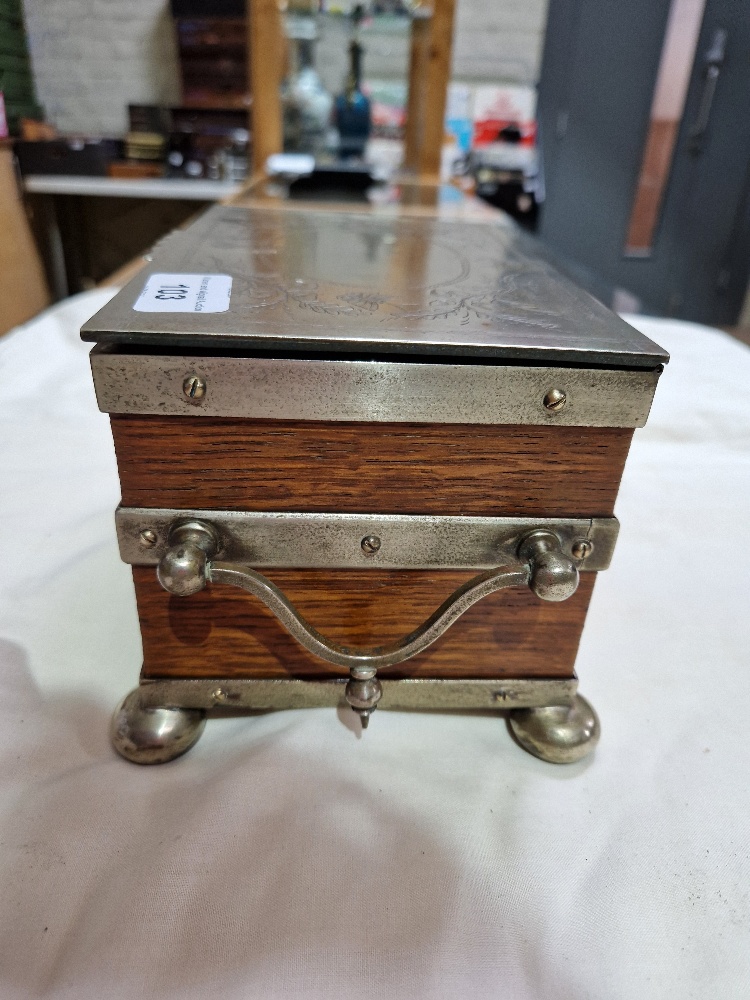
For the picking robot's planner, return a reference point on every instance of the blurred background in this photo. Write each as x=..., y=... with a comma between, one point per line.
x=616, y=133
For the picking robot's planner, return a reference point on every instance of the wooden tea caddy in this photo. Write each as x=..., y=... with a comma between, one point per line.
x=364, y=457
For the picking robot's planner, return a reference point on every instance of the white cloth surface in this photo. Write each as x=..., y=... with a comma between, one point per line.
x=285, y=856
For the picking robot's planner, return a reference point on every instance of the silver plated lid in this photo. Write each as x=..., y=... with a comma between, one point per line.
x=357, y=282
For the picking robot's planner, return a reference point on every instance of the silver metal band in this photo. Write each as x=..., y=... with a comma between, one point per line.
x=363, y=541
x=370, y=391
x=407, y=694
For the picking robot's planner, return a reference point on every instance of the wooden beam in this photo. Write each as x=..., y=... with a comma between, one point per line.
x=419, y=44
x=266, y=52
x=434, y=91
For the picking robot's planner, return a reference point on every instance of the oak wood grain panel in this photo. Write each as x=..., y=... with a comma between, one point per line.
x=284, y=465
x=225, y=632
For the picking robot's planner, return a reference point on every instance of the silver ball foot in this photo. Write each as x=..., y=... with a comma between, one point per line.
x=154, y=735
x=560, y=734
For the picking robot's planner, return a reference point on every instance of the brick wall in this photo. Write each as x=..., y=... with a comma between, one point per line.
x=93, y=57
x=499, y=40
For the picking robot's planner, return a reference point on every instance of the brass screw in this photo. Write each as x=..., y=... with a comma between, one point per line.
x=194, y=388
x=147, y=538
x=219, y=694
x=370, y=544
x=555, y=400
x=582, y=548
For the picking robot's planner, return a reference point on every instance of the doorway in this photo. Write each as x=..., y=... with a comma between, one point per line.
x=645, y=146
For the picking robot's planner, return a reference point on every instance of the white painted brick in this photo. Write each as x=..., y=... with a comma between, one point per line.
x=512, y=57
x=92, y=57
x=495, y=16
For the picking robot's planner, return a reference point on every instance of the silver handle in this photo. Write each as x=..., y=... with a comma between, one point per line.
x=188, y=566
x=714, y=60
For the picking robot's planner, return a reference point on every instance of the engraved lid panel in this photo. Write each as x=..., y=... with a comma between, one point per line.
x=324, y=281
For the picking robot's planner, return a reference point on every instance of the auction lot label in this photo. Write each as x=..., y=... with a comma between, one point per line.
x=185, y=293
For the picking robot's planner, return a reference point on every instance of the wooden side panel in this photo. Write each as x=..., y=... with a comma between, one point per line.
x=224, y=632
x=196, y=462
x=23, y=288
x=284, y=465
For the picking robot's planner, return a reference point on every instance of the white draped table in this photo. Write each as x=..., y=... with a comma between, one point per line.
x=289, y=857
